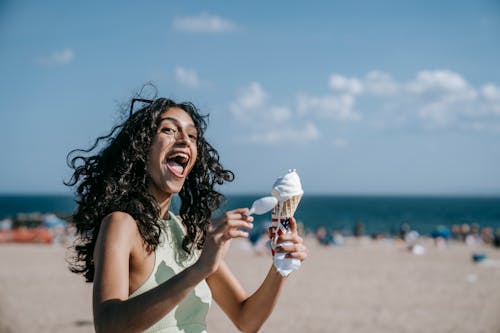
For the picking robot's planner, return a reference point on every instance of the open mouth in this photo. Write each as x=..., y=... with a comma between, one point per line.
x=177, y=163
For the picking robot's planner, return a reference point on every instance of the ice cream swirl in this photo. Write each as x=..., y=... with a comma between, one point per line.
x=287, y=186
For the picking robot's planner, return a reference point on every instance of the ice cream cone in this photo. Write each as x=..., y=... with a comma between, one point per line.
x=287, y=208
x=281, y=218
x=288, y=191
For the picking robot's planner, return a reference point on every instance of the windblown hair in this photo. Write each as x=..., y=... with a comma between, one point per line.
x=115, y=178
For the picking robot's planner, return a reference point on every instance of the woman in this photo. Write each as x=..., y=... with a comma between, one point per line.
x=152, y=270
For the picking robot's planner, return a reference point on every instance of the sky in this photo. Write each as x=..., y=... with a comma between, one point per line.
x=361, y=97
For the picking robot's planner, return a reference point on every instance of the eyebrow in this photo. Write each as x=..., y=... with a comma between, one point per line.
x=177, y=122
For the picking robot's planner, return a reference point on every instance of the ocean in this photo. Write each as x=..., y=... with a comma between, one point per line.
x=379, y=214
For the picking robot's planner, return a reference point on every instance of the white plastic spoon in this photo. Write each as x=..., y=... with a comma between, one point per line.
x=263, y=205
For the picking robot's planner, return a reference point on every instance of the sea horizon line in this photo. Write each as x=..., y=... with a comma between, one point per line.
x=308, y=194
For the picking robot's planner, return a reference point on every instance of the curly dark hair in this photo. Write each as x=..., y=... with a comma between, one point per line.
x=115, y=178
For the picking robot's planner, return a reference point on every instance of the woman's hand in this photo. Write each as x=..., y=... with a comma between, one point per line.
x=219, y=235
x=295, y=250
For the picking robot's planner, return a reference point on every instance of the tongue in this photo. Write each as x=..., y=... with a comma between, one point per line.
x=176, y=167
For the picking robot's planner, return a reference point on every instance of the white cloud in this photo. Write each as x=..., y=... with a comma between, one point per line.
x=438, y=80
x=57, y=58
x=351, y=86
x=281, y=135
x=436, y=114
x=187, y=77
x=250, y=98
x=265, y=122
x=491, y=92
x=442, y=98
x=279, y=113
x=339, y=107
x=380, y=84
x=203, y=23
x=432, y=99
x=252, y=105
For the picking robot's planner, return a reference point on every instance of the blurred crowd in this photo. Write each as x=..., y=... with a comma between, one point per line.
x=470, y=234
x=36, y=228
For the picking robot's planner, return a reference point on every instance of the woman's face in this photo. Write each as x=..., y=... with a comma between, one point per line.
x=173, y=152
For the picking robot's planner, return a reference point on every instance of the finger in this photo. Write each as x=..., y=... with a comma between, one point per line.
x=240, y=211
x=290, y=248
x=227, y=219
x=239, y=214
x=235, y=233
x=289, y=237
x=230, y=234
x=236, y=214
x=297, y=255
x=231, y=224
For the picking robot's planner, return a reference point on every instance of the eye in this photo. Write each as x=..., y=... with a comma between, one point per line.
x=193, y=136
x=168, y=130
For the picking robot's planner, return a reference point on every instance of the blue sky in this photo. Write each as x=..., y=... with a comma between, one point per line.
x=386, y=97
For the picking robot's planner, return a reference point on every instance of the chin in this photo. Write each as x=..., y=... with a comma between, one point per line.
x=175, y=186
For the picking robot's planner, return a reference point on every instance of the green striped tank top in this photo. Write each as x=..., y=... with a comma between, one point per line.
x=189, y=316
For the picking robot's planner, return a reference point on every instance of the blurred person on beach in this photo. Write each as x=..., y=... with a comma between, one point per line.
x=404, y=229
x=487, y=236
x=152, y=270
x=441, y=235
x=323, y=236
x=464, y=231
x=337, y=238
x=359, y=229
x=496, y=238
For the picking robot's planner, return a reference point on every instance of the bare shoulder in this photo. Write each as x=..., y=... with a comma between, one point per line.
x=118, y=217
x=118, y=226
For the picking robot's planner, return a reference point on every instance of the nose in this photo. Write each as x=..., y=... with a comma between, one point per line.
x=182, y=136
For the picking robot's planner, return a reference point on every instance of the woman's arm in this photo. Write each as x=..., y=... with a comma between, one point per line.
x=250, y=313
x=113, y=311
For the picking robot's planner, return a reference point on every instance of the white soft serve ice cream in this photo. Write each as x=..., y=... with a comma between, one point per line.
x=287, y=186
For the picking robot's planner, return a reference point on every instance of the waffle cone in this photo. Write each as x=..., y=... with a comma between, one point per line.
x=287, y=207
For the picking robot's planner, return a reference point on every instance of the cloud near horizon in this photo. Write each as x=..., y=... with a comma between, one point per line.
x=203, y=23
x=57, y=58
x=253, y=104
x=432, y=100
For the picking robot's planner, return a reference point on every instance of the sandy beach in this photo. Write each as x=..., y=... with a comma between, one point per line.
x=364, y=286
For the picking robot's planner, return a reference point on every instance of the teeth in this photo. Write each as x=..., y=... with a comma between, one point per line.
x=183, y=156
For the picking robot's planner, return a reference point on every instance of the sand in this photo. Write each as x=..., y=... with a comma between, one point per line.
x=364, y=286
